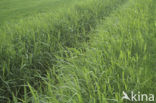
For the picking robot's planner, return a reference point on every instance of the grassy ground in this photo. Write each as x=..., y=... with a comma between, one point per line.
x=12, y=10
x=88, y=53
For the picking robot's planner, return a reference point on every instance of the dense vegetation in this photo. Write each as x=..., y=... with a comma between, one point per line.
x=87, y=52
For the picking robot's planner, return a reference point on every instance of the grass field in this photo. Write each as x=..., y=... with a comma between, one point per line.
x=70, y=51
x=12, y=10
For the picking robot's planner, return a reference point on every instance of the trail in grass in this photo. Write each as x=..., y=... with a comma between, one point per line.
x=28, y=49
x=115, y=60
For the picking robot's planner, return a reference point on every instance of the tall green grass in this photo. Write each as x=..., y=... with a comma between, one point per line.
x=30, y=47
x=117, y=58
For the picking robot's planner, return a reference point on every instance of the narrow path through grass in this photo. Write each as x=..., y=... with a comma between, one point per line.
x=115, y=60
x=29, y=48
